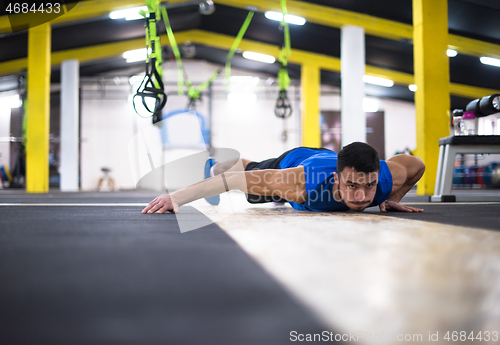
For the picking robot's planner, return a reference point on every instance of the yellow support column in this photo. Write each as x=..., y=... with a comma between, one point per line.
x=310, y=89
x=432, y=99
x=37, y=132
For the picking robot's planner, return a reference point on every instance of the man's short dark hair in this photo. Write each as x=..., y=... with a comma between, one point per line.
x=360, y=156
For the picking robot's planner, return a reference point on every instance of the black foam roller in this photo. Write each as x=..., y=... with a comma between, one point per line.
x=473, y=106
x=490, y=104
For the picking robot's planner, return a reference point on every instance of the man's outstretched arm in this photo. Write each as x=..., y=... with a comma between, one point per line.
x=286, y=183
x=406, y=171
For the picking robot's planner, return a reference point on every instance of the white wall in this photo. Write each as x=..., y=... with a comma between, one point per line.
x=400, y=126
x=4, y=133
x=250, y=128
x=107, y=126
x=7, y=101
x=253, y=129
x=399, y=120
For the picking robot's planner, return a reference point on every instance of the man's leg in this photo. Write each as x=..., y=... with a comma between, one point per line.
x=233, y=165
x=247, y=165
x=212, y=169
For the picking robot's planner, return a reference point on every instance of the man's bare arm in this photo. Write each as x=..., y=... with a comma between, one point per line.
x=406, y=172
x=286, y=183
x=411, y=169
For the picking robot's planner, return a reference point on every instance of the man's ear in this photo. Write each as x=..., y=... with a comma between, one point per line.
x=336, y=177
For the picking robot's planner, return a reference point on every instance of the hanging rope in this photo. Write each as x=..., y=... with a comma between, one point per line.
x=283, y=108
x=236, y=44
x=195, y=93
x=175, y=50
x=151, y=90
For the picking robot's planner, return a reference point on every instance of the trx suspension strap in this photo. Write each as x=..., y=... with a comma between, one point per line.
x=175, y=50
x=236, y=44
x=194, y=93
x=152, y=91
x=283, y=108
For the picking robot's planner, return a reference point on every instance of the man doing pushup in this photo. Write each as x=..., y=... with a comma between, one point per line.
x=312, y=179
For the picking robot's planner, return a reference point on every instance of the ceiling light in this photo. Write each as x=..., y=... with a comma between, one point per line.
x=129, y=13
x=370, y=105
x=272, y=15
x=295, y=20
x=259, y=57
x=242, y=97
x=451, y=53
x=136, y=55
x=289, y=18
x=412, y=87
x=490, y=61
x=378, y=81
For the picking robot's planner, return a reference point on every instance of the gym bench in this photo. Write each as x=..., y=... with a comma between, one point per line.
x=449, y=147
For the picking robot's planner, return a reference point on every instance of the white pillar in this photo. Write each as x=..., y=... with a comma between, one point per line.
x=68, y=169
x=5, y=117
x=352, y=57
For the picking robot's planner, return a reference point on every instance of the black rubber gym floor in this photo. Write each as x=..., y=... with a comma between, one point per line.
x=483, y=216
x=111, y=275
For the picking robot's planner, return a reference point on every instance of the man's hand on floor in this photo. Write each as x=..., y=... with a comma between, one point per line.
x=162, y=204
x=396, y=206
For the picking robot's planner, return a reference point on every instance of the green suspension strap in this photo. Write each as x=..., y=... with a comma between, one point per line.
x=194, y=93
x=236, y=44
x=175, y=50
x=283, y=109
x=152, y=91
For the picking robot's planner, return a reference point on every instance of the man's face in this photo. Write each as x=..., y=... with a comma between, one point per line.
x=357, y=189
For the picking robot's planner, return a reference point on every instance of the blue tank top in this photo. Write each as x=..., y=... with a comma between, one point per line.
x=319, y=166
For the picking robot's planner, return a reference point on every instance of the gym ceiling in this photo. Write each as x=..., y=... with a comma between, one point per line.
x=98, y=41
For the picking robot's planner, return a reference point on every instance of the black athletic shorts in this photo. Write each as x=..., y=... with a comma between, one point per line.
x=272, y=163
